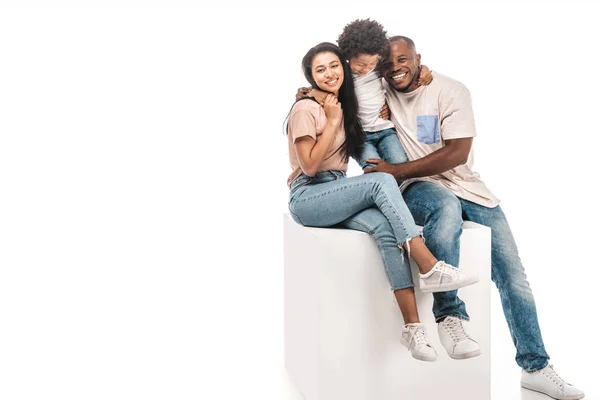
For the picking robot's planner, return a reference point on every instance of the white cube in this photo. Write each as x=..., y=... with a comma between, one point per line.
x=342, y=322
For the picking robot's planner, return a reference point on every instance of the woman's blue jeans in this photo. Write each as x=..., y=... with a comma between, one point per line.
x=370, y=203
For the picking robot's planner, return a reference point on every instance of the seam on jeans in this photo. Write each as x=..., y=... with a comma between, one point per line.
x=397, y=216
x=296, y=215
x=508, y=309
x=337, y=189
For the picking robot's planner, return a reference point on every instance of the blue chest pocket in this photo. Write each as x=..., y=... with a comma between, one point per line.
x=428, y=130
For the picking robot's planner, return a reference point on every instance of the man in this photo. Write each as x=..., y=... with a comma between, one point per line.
x=436, y=127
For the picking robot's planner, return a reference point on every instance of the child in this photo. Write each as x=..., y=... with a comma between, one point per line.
x=364, y=44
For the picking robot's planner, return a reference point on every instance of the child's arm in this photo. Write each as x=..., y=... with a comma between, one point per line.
x=425, y=76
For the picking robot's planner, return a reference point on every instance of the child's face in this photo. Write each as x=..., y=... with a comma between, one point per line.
x=362, y=64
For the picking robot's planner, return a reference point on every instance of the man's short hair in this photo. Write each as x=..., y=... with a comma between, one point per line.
x=408, y=41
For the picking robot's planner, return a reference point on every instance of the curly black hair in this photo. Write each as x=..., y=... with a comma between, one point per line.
x=363, y=36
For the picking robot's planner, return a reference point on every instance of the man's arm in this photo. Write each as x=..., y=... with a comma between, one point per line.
x=457, y=131
x=454, y=153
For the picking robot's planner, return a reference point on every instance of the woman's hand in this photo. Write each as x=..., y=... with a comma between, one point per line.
x=425, y=76
x=333, y=110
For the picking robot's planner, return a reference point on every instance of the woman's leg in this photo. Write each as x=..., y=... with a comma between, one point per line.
x=329, y=203
x=397, y=268
x=334, y=200
x=395, y=262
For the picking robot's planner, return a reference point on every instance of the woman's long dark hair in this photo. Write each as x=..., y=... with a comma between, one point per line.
x=346, y=96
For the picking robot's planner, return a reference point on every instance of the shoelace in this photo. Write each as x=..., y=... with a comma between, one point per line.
x=444, y=268
x=456, y=329
x=553, y=376
x=418, y=336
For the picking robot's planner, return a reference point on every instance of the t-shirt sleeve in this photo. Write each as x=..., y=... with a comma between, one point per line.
x=302, y=122
x=456, y=110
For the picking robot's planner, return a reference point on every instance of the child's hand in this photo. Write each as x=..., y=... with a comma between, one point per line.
x=384, y=112
x=303, y=92
x=425, y=76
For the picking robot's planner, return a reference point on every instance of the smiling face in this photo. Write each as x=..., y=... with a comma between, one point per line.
x=362, y=64
x=401, y=69
x=328, y=72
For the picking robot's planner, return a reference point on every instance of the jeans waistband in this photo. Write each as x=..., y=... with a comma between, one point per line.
x=319, y=177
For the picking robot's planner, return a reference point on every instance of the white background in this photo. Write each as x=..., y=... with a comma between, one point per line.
x=142, y=182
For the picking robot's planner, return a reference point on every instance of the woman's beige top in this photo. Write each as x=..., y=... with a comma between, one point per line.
x=307, y=118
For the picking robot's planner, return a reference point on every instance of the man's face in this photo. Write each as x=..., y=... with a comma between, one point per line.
x=401, y=70
x=362, y=63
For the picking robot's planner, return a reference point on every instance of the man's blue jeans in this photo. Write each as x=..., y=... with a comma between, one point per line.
x=442, y=213
x=370, y=203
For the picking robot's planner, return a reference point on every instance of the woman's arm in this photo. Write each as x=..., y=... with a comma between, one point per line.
x=311, y=152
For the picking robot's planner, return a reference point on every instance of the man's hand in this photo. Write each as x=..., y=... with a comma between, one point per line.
x=384, y=112
x=381, y=166
x=303, y=92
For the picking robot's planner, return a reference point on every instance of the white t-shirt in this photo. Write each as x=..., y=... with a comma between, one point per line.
x=371, y=97
x=428, y=116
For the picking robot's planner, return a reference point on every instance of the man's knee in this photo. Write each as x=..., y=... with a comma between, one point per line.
x=448, y=212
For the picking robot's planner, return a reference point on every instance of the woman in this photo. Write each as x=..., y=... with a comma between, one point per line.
x=321, y=139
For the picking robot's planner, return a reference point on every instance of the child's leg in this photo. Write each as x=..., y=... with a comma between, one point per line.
x=390, y=148
x=368, y=150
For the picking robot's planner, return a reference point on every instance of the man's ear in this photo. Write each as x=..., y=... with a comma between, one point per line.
x=418, y=60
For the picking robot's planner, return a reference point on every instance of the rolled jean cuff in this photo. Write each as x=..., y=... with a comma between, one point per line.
x=400, y=287
x=407, y=241
x=535, y=369
x=462, y=317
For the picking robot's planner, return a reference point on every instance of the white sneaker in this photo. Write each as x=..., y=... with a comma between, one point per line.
x=444, y=277
x=457, y=342
x=548, y=382
x=415, y=339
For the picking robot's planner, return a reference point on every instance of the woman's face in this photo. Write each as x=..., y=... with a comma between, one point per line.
x=328, y=72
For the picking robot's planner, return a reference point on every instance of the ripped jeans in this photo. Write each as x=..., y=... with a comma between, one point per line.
x=370, y=203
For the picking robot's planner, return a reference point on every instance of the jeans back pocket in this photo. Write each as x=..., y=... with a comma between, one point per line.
x=428, y=130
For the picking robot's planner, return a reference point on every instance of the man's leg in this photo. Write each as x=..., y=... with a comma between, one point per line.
x=439, y=211
x=515, y=293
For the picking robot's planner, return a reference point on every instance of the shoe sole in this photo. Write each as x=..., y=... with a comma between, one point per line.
x=465, y=356
x=418, y=356
x=447, y=287
x=574, y=397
